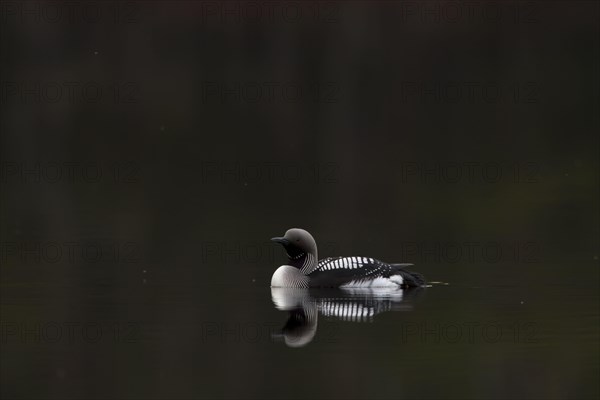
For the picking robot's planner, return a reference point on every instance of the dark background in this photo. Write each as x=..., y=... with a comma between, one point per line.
x=150, y=149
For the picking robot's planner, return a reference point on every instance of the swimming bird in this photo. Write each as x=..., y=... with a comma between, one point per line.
x=305, y=270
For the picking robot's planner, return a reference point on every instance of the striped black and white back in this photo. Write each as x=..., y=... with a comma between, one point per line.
x=335, y=263
x=363, y=272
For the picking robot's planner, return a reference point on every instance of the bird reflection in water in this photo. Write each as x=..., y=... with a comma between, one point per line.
x=353, y=305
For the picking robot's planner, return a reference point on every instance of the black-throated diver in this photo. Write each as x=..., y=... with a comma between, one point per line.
x=305, y=270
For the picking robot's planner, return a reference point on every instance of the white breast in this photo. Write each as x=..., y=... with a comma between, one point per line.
x=288, y=276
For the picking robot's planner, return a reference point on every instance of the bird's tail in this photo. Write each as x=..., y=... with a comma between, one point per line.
x=411, y=279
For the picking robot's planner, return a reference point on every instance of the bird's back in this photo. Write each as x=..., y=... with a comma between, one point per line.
x=362, y=271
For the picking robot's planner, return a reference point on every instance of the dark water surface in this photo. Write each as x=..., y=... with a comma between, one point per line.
x=149, y=339
x=149, y=150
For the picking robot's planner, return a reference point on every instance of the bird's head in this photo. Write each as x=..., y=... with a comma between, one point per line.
x=297, y=243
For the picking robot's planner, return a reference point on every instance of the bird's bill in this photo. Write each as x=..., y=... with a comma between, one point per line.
x=281, y=240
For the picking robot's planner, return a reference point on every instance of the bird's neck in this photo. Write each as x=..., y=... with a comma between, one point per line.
x=305, y=262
